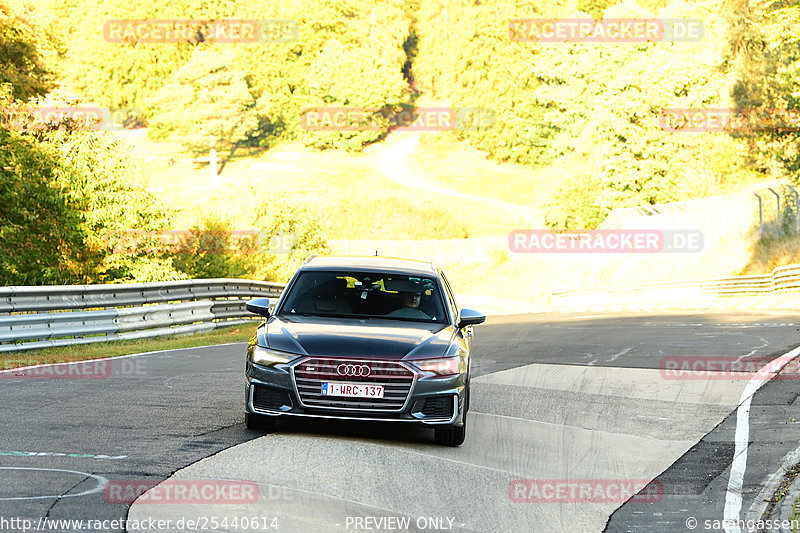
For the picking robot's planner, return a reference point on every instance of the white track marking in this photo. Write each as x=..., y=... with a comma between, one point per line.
x=623, y=352
x=73, y=455
x=101, y=483
x=753, y=351
x=733, y=497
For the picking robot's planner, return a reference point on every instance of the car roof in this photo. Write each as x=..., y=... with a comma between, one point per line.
x=370, y=263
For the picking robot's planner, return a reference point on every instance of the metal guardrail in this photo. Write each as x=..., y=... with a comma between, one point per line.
x=60, y=315
x=785, y=278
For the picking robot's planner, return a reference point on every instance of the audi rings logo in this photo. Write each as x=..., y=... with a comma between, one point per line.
x=353, y=370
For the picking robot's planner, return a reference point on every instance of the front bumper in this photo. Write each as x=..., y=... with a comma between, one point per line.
x=273, y=391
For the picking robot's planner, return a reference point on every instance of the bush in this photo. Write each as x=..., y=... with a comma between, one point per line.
x=211, y=251
x=41, y=230
x=282, y=236
x=99, y=179
x=289, y=233
x=24, y=44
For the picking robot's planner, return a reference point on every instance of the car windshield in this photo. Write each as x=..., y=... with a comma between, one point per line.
x=365, y=295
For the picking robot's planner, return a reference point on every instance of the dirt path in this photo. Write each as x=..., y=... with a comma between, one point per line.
x=392, y=159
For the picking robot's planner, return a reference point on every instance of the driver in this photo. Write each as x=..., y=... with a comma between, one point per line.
x=409, y=306
x=410, y=300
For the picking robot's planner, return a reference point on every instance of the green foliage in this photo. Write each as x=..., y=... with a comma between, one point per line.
x=590, y=110
x=100, y=180
x=40, y=228
x=352, y=78
x=765, y=56
x=282, y=236
x=104, y=178
x=289, y=233
x=595, y=8
x=121, y=75
x=144, y=269
x=23, y=47
x=349, y=53
x=569, y=208
x=206, y=103
x=211, y=250
x=466, y=57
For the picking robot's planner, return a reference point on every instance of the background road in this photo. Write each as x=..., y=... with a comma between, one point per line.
x=558, y=397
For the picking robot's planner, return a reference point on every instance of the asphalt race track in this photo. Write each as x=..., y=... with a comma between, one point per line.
x=575, y=425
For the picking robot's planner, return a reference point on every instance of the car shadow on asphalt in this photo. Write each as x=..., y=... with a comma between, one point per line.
x=379, y=432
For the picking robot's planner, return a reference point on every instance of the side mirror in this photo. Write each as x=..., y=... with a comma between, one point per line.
x=468, y=317
x=259, y=306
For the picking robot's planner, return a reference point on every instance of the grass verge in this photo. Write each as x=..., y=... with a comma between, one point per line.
x=356, y=199
x=83, y=352
x=456, y=165
x=772, y=251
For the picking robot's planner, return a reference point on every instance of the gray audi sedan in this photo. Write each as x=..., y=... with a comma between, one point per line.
x=363, y=338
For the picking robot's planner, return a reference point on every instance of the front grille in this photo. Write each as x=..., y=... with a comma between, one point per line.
x=395, y=378
x=441, y=407
x=268, y=398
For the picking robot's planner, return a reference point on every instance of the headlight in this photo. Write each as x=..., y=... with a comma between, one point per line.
x=267, y=357
x=444, y=366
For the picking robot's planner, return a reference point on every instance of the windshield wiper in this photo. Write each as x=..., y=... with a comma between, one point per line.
x=330, y=315
x=408, y=319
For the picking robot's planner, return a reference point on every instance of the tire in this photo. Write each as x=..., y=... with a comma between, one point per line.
x=260, y=422
x=452, y=436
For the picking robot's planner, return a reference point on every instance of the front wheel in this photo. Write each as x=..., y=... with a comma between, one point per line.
x=260, y=422
x=452, y=436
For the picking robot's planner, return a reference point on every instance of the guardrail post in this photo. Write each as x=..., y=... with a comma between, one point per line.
x=760, y=217
x=796, y=208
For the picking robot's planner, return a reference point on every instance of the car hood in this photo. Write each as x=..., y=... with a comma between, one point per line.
x=386, y=339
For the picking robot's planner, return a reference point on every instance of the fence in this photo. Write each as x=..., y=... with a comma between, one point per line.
x=717, y=217
x=765, y=206
x=39, y=317
x=782, y=279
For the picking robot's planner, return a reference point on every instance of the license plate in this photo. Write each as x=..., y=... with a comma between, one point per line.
x=352, y=390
